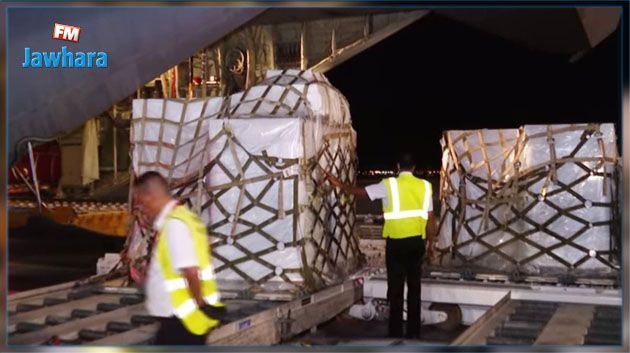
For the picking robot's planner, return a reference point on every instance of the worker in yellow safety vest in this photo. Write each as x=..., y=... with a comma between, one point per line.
x=180, y=286
x=409, y=222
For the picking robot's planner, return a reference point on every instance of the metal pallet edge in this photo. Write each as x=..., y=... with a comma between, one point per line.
x=270, y=326
x=477, y=332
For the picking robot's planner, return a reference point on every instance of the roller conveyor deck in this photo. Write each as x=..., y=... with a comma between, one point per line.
x=532, y=311
x=526, y=322
x=109, y=314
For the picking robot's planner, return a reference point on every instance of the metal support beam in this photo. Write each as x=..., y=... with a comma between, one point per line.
x=340, y=55
x=33, y=164
x=333, y=41
x=115, y=154
x=477, y=333
x=190, y=78
x=486, y=294
x=625, y=202
x=303, y=60
x=204, y=76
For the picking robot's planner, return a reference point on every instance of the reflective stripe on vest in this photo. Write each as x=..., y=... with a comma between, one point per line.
x=396, y=213
x=213, y=299
x=189, y=306
x=180, y=283
x=407, y=212
x=184, y=306
x=185, y=309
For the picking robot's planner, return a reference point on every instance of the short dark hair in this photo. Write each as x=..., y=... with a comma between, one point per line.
x=150, y=178
x=406, y=161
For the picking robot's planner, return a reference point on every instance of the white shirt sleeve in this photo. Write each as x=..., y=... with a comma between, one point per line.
x=376, y=191
x=180, y=245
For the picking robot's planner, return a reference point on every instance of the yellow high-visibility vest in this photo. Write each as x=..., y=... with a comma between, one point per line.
x=184, y=306
x=407, y=209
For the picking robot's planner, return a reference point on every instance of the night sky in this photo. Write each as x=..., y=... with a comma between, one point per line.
x=444, y=75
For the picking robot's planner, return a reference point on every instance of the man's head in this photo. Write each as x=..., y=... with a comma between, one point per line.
x=151, y=194
x=406, y=163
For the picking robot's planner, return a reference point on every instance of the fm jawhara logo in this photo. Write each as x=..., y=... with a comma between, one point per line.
x=64, y=58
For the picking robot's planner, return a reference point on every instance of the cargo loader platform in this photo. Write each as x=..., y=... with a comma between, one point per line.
x=534, y=311
x=108, y=314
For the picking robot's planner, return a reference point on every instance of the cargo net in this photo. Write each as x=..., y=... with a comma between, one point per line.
x=539, y=200
x=275, y=223
x=169, y=136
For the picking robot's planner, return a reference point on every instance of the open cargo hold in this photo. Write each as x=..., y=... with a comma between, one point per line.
x=251, y=166
x=539, y=200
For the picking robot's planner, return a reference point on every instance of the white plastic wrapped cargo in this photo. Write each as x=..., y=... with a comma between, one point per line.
x=169, y=135
x=274, y=224
x=258, y=219
x=539, y=200
x=465, y=154
x=575, y=193
x=251, y=165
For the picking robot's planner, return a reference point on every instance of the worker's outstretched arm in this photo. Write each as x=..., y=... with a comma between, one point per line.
x=431, y=236
x=431, y=228
x=357, y=191
x=194, y=286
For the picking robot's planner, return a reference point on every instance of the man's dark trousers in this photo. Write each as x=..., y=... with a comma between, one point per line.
x=403, y=259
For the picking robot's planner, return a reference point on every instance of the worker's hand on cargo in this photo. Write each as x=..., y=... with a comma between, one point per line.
x=431, y=253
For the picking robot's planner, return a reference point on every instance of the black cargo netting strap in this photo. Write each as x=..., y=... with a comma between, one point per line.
x=505, y=201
